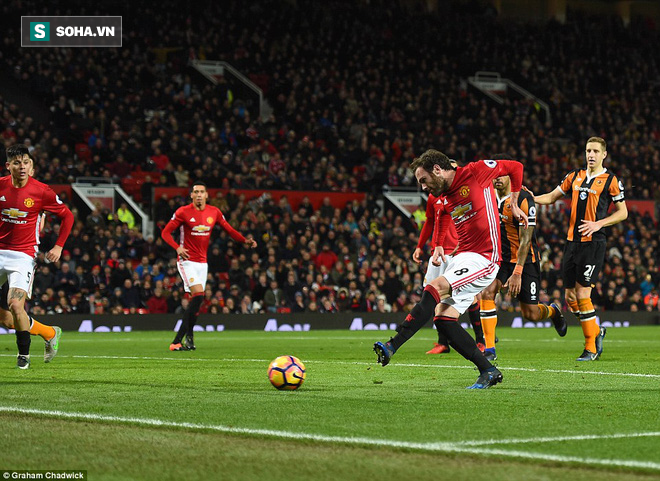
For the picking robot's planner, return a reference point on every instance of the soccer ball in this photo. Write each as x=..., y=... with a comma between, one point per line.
x=286, y=373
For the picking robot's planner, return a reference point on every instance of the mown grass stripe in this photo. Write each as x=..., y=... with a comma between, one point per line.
x=435, y=447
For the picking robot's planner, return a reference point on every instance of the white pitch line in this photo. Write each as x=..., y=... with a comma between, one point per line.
x=446, y=447
x=353, y=363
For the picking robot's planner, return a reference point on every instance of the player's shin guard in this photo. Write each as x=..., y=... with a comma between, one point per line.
x=589, y=326
x=191, y=313
x=23, y=342
x=39, y=329
x=419, y=316
x=489, y=321
x=475, y=320
x=462, y=341
x=195, y=304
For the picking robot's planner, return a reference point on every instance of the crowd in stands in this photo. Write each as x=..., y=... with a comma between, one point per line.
x=357, y=91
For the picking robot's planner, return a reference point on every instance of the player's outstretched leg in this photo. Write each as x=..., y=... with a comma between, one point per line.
x=52, y=345
x=489, y=375
x=419, y=315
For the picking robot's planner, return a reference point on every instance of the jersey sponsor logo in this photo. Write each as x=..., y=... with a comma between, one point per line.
x=29, y=202
x=209, y=220
x=13, y=216
x=201, y=230
x=459, y=212
x=491, y=163
x=464, y=191
x=584, y=190
x=583, y=195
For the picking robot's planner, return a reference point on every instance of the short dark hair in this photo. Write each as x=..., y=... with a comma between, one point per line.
x=192, y=187
x=430, y=158
x=17, y=150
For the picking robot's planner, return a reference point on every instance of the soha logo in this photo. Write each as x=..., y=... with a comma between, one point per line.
x=40, y=31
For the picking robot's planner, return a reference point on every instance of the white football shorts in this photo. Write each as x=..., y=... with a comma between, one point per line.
x=468, y=274
x=18, y=268
x=193, y=273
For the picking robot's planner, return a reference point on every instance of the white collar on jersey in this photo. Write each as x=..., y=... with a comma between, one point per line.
x=499, y=201
x=589, y=177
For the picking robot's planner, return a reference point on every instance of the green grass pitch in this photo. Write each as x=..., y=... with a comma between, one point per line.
x=121, y=406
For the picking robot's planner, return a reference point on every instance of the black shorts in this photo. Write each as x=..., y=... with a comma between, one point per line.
x=530, y=283
x=582, y=263
x=4, y=293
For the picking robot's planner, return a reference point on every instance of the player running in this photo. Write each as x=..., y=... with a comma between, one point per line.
x=22, y=199
x=520, y=271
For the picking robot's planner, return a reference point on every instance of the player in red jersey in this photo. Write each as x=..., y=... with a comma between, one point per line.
x=448, y=239
x=22, y=199
x=195, y=222
x=470, y=201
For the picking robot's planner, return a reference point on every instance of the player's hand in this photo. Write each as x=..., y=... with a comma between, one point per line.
x=183, y=253
x=513, y=284
x=589, y=227
x=250, y=243
x=54, y=254
x=438, y=256
x=519, y=215
x=417, y=256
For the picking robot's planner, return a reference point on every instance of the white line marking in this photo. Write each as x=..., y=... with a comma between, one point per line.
x=355, y=363
x=437, y=447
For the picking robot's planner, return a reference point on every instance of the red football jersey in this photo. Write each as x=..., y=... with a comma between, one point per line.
x=438, y=226
x=195, y=228
x=20, y=210
x=471, y=203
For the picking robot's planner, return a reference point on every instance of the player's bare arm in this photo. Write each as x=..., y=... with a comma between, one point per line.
x=514, y=282
x=549, y=198
x=588, y=227
x=54, y=254
x=516, y=211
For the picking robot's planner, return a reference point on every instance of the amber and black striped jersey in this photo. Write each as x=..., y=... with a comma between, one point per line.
x=590, y=200
x=509, y=227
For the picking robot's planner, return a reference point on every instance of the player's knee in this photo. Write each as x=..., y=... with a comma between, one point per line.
x=442, y=286
x=570, y=295
x=16, y=307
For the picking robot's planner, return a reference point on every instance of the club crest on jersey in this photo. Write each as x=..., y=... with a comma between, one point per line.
x=209, y=220
x=29, y=202
x=464, y=191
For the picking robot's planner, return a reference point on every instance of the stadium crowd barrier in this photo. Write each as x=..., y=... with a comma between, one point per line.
x=352, y=321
